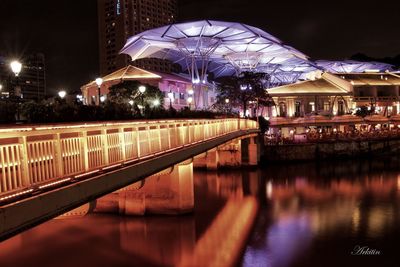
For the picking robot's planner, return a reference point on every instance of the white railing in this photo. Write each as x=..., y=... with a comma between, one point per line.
x=45, y=155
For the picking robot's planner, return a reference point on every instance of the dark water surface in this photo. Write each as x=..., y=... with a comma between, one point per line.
x=321, y=214
x=310, y=215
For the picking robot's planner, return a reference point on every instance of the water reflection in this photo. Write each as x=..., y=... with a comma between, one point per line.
x=310, y=215
x=314, y=215
x=214, y=234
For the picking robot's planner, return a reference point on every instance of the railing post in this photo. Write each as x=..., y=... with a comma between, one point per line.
x=138, y=142
x=169, y=136
x=122, y=142
x=159, y=137
x=105, y=146
x=188, y=132
x=26, y=180
x=58, y=155
x=84, y=150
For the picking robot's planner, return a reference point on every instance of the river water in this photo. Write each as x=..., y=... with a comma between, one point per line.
x=309, y=215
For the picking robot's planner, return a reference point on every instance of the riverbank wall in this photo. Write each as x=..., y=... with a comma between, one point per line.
x=328, y=150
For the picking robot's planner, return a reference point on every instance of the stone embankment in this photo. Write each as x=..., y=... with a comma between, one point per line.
x=327, y=150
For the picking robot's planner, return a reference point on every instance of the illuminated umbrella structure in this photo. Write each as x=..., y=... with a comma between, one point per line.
x=221, y=48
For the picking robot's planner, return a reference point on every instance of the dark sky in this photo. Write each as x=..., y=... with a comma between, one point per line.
x=66, y=30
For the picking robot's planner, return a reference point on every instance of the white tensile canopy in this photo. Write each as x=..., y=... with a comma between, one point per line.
x=223, y=48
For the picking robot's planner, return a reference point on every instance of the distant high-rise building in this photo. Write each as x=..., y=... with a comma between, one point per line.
x=121, y=19
x=31, y=81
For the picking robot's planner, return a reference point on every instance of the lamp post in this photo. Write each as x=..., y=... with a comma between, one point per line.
x=99, y=82
x=16, y=68
x=171, y=98
x=142, y=90
x=226, y=105
x=190, y=100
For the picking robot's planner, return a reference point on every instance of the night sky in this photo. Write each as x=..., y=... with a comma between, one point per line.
x=66, y=30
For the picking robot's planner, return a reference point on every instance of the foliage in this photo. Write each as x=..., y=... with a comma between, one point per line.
x=263, y=124
x=363, y=111
x=123, y=92
x=7, y=111
x=240, y=90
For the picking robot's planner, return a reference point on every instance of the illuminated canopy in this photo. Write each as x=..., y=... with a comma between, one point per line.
x=352, y=66
x=223, y=48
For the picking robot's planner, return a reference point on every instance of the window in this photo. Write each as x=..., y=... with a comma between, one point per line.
x=340, y=107
x=327, y=106
x=297, y=107
x=282, y=109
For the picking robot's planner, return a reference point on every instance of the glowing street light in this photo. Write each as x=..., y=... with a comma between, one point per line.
x=142, y=89
x=16, y=67
x=103, y=98
x=191, y=92
x=156, y=102
x=62, y=94
x=99, y=82
x=227, y=100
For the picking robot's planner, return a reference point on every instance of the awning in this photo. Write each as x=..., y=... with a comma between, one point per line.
x=376, y=119
x=347, y=119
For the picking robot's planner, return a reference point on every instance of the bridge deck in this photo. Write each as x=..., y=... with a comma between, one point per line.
x=84, y=170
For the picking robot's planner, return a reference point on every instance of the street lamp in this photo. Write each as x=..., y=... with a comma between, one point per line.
x=62, y=94
x=103, y=98
x=99, y=82
x=226, y=105
x=16, y=67
x=171, y=98
x=190, y=100
x=142, y=90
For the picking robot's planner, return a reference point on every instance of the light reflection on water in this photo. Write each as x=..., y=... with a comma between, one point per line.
x=315, y=214
x=310, y=215
x=222, y=213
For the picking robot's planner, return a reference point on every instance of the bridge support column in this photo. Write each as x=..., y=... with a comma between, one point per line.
x=227, y=155
x=168, y=192
x=254, y=151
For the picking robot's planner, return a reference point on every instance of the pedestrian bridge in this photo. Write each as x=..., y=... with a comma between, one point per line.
x=48, y=170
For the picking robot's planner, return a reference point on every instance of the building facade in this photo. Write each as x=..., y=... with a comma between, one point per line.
x=178, y=90
x=120, y=19
x=31, y=82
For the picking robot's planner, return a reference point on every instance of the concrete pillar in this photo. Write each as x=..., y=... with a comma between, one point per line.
x=254, y=152
x=212, y=159
x=227, y=155
x=230, y=155
x=168, y=192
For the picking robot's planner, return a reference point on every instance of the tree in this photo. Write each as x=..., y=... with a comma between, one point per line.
x=248, y=86
x=126, y=91
x=363, y=111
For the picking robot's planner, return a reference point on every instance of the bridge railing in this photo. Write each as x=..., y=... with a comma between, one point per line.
x=45, y=155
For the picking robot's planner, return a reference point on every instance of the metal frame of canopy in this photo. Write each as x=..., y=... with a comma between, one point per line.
x=223, y=48
x=353, y=66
